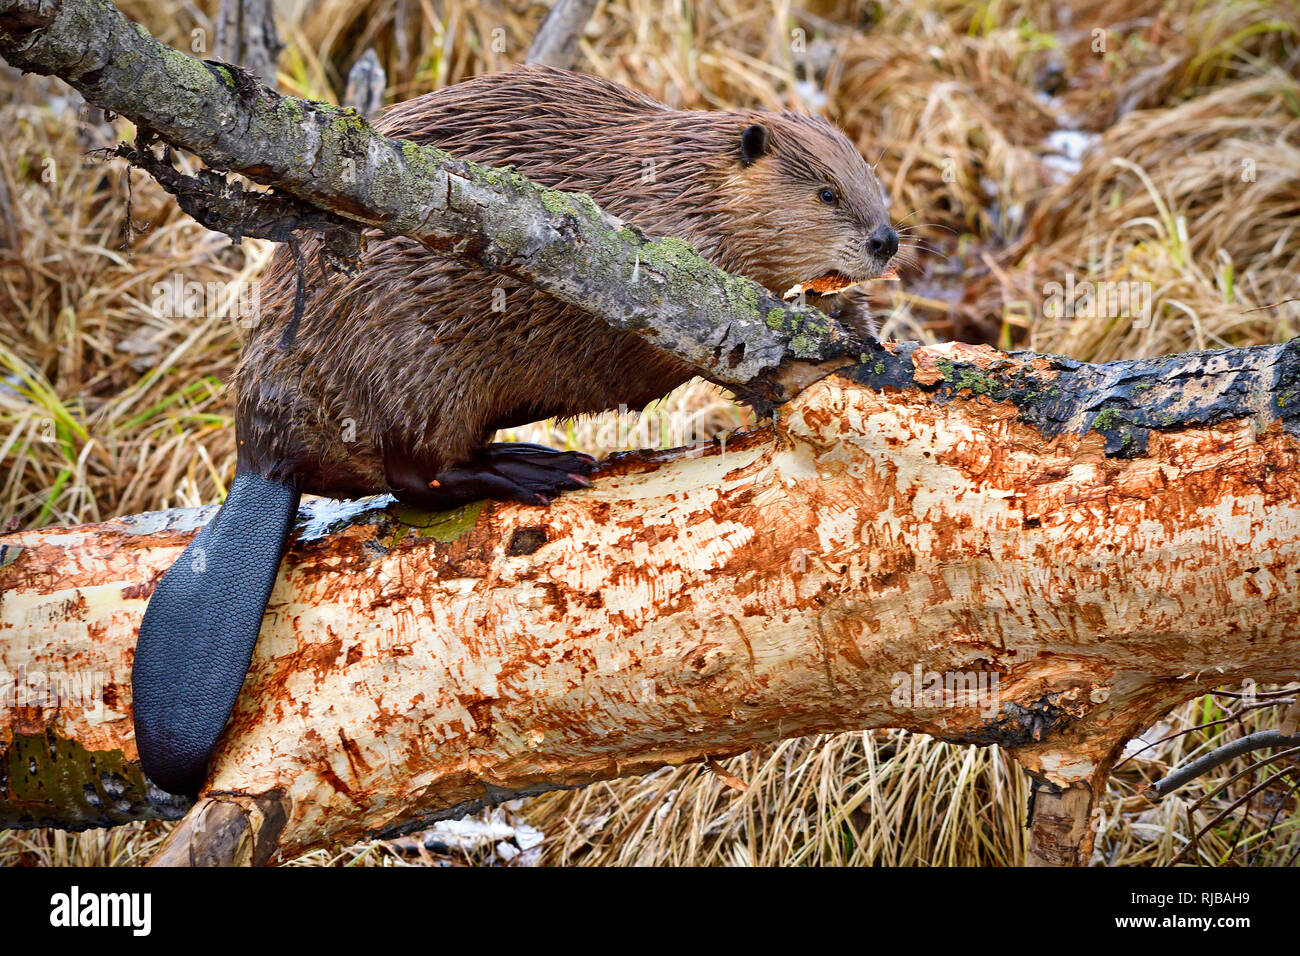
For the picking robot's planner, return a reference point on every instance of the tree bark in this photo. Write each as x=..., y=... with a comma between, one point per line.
x=730, y=328
x=1060, y=824
x=1072, y=550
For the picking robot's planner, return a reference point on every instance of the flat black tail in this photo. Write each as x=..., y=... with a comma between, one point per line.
x=198, y=633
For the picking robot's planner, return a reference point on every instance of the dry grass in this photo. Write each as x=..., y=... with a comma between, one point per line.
x=1191, y=184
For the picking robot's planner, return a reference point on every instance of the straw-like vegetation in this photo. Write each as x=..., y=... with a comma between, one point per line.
x=979, y=116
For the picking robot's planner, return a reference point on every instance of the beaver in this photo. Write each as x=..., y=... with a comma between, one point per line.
x=396, y=377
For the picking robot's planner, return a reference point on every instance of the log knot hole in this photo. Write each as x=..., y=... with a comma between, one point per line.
x=1019, y=725
x=525, y=541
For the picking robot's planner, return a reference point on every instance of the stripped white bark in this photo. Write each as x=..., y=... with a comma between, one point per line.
x=692, y=606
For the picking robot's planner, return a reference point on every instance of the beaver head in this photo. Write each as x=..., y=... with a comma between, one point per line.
x=783, y=198
x=801, y=206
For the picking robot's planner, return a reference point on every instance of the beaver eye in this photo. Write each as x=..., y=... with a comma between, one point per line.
x=828, y=196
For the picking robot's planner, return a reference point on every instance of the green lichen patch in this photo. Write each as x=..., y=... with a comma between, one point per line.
x=445, y=526
x=1118, y=431
x=970, y=378
x=50, y=781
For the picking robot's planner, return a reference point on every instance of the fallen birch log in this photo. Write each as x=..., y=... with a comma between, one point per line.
x=1071, y=550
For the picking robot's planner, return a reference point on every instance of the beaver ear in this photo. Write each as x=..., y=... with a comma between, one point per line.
x=753, y=143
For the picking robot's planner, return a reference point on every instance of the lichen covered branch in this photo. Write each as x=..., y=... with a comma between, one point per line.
x=730, y=328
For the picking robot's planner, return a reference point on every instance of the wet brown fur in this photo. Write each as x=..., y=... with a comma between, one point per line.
x=405, y=369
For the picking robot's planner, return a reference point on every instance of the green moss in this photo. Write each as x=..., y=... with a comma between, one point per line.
x=411, y=152
x=803, y=346
x=352, y=121
x=967, y=377
x=227, y=78
x=676, y=258
x=346, y=130
x=553, y=201
x=742, y=295
x=439, y=525
x=585, y=205
x=668, y=253
x=977, y=382
x=1107, y=419
x=56, y=781
x=423, y=161
x=1116, y=429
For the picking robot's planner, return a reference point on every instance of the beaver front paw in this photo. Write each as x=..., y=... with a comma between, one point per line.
x=509, y=471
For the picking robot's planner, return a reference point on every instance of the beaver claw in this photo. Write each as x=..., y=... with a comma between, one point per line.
x=511, y=471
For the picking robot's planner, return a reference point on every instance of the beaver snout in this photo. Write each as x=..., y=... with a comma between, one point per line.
x=882, y=243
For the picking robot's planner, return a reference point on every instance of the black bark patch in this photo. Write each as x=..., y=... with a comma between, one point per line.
x=525, y=541
x=1019, y=725
x=1124, y=402
x=223, y=205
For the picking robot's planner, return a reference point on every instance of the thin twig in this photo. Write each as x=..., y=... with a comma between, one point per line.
x=1217, y=757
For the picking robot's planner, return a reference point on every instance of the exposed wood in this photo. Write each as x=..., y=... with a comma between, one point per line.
x=1107, y=541
x=225, y=830
x=1059, y=827
x=730, y=328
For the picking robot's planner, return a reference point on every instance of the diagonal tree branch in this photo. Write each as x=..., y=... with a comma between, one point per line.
x=730, y=328
x=556, y=43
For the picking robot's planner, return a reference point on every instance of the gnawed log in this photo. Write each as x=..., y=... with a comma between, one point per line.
x=1071, y=549
x=225, y=830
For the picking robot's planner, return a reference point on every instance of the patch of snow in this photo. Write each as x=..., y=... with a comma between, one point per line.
x=512, y=840
x=812, y=94
x=1144, y=740
x=1067, y=148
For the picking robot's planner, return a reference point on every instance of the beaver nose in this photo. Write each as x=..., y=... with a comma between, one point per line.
x=883, y=243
